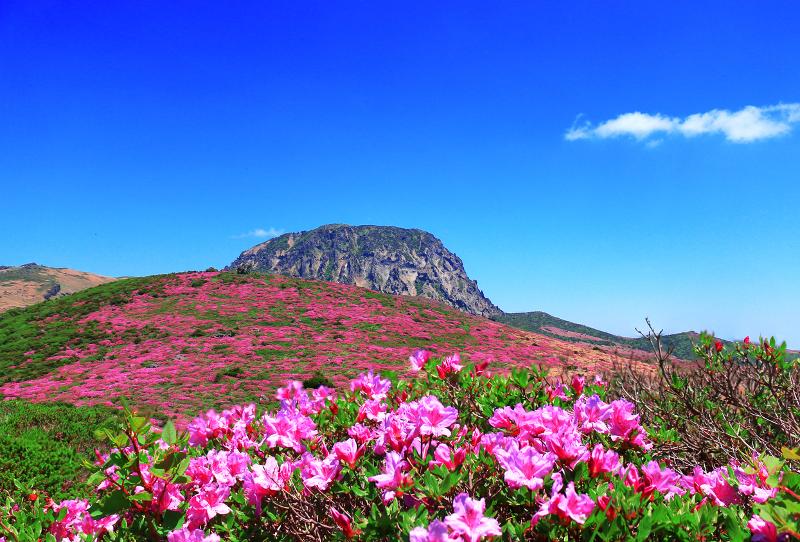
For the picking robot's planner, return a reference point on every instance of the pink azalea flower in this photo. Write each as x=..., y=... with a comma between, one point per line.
x=392, y=476
x=624, y=425
x=372, y=410
x=371, y=385
x=211, y=425
x=592, y=414
x=468, y=520
x=77, y=521
x=418, y=360
x=194, y=535
x=602, y=461
x=344, y=522
x=264, y=481
x=754, y=483
x=432, y=417
x=319, y=473
x=207, y=504
x=555, y=392
x=566, y=445
x=361, y=433
x=664, y=480
x=762, y=530
x=348, y=452
x=443, y=455
x=322, y=394
x=436, y=532
x=578, y=382
x=569, y=505
x=713, y=485
x=493, y=442
x=525, y=467
x=292, y=391
x=450, y=365
x=288, y=428
x=166, y=496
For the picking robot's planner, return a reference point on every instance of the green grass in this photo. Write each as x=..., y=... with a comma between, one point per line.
x=44, y=445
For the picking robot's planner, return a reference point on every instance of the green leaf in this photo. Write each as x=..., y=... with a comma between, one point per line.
x=114, y=502
x=168, y=433
x=645, y=526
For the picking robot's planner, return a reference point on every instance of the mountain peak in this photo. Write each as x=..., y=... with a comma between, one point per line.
x=387, y=259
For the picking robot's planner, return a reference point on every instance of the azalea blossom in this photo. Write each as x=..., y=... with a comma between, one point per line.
x=437, y=531
x=371, y=385
x=468, y=520
x=624, y=425
x=603, y=461
x=418, y=360
x=392, y=475
x=443, y=455
x=567, y=505
x=762, y=530
x=450, y=365
x=319, y=473
x=264, y=481
x=525, y=467
x=206, y=505
x=191, y=535
x=663, y=480
x=348, y=452
x=432, y=417
x=288, y=428
x=592, y=414
x=344, y=522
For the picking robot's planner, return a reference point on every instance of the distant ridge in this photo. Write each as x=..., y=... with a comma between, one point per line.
x=387, y=259
x=541, y=322
x=31, y=283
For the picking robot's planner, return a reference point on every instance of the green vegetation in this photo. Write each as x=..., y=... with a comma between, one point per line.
x=317, y=380
x=44, y=445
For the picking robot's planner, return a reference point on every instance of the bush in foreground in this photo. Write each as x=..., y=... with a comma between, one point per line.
x=47, y=444
x=452, y=455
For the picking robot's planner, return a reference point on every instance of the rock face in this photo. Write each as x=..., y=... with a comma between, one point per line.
x=383, y=258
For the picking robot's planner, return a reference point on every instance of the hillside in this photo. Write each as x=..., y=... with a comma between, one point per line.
x=383, y=258
x=31, y=283
x=541, y=322
x=179, y=343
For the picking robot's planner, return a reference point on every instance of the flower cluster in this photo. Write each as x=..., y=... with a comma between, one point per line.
x=452, y=455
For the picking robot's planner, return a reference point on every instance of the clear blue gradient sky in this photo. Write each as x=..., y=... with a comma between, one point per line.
x=147, y=137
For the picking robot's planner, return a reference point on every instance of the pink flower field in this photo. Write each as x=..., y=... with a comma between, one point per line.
x=177, y=344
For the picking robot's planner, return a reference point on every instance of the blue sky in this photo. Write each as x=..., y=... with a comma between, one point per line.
x=146, y=137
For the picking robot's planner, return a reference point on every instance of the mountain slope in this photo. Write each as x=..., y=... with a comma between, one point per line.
x=382, y=258
x=541, y=322
x=32, y=283
x=180, y=343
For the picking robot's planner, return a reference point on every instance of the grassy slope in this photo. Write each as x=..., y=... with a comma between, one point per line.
x=174, y=344
x=535, y=321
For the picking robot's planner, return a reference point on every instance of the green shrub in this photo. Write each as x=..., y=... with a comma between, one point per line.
x=44, y=445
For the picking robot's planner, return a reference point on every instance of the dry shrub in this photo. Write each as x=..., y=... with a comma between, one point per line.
x=731, y=402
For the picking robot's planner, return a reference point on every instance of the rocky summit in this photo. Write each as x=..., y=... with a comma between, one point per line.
x=383, y=258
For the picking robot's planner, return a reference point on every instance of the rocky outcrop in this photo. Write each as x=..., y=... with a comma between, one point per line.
x=383, y=258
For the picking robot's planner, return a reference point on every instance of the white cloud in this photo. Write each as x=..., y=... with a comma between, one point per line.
x=260, y=233
x=748, y=124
